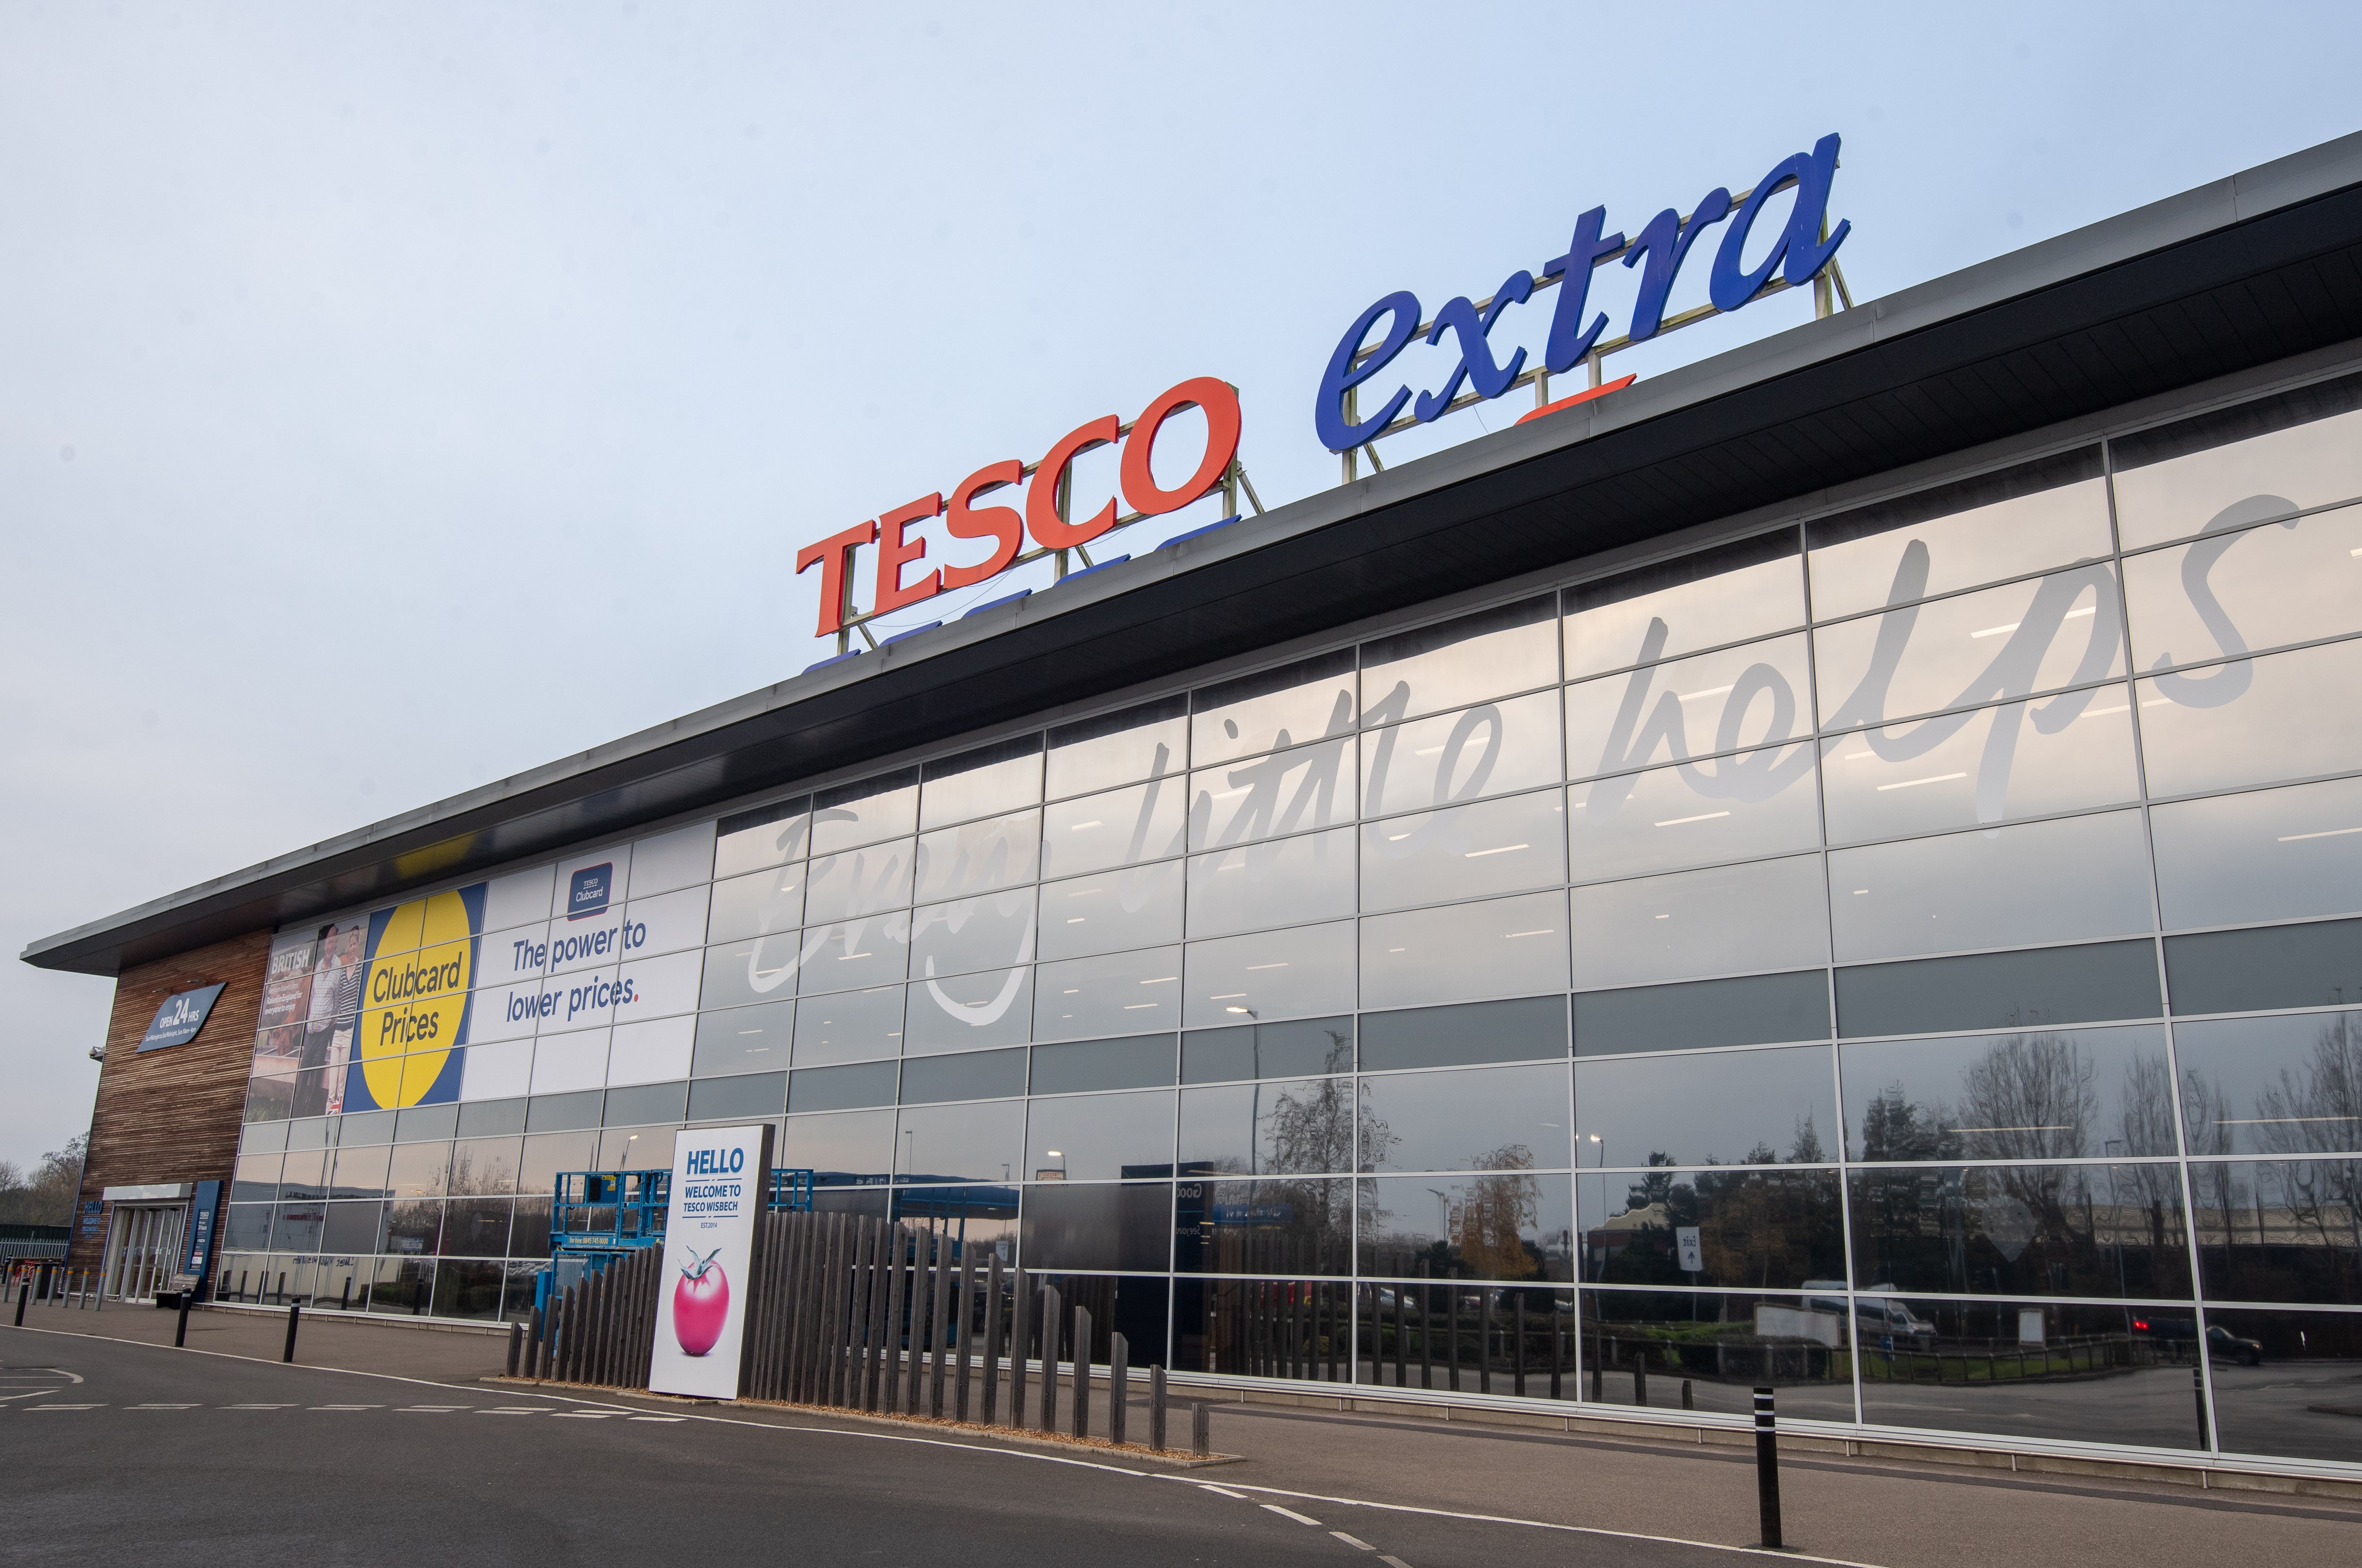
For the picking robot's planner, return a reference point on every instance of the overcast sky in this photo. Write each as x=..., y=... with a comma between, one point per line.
x=395, y=397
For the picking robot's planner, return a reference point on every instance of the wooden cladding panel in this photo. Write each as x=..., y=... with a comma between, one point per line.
x=173, y=1115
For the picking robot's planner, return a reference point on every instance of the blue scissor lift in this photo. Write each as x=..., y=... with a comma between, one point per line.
x=597, y=1217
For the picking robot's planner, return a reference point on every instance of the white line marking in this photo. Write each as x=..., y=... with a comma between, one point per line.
x=579, y=1415
x=1392, y=1561
x=1291, y=1513
x=1225, y=1491
x=430, y=1409
x=504, y=1410
x=258, y=1407
x=64, y=1406
x=160, y=1406
x=345, y=1407
x=29, y=1393
x=660, y=1418
x=1357, y=1545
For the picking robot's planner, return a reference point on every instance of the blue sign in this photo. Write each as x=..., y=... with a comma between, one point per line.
x=204, y=1209
x=587, y=895
x=178, y=1020
x=1798, y=255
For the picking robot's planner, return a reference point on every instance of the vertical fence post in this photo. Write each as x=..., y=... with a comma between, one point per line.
x=914, y=1384
x=993, y=1347
x=517, y=1341
x=1201, y=1428
x=1157, y=1395
x=963, y=1315
x=938, y=1322
x=1767, y=1470
x=831, y=1315
x=1052, y=1324
x=1082, y=1371
x=880, y=1245
x=897, y=1304
x=1119, y=1388
x=1020, y=1345
x=532, y=1347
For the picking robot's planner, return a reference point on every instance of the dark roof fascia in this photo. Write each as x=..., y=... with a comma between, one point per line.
x=2122, y=310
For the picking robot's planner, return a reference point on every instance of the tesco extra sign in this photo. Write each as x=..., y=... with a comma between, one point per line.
x=905, y=577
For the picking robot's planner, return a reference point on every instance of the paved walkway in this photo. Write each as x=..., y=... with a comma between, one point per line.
x=1879, y=1512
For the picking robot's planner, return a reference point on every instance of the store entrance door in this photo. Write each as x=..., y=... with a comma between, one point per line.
x=143, y=1248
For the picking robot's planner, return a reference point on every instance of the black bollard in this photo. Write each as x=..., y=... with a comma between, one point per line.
x=1767, y=1470
x=1201, y=1428
x=24, y=1294
x=2198, y=1390
x=1119, y=1388
x=294, y=1313
x=181, y=1328
x=1156, y=1405
x=345, y=1297
x=516, y=1346
x=532, y=1347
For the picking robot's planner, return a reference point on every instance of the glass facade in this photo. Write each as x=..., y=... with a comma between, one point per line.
x=1912, y=955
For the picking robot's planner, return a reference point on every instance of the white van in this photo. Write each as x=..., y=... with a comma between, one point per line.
x=1875, y=1317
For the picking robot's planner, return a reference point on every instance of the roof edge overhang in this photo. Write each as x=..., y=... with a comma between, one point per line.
x=2244, y=271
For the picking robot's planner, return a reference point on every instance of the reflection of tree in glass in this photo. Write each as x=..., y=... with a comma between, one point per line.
x=1494, y=1215
x=2317, y=1107
x=1309, y=1130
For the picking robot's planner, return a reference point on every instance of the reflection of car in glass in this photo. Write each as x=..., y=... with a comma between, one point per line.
x=1875, y=1317
x=2221, y=1344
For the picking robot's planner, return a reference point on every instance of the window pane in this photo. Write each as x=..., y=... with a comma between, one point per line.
x=420, y=1170
x=859, y=881
x=1274, y=1127
x=2265, y=855
x=964, y=1011
x=2106, y=1230
x=1301, y=1048
x=1291, y=881
x=1753, y=1009
x=848, y=1026
x=1997, y=525
x=1697, y=601
x=1981, y=766
x=2272, y=1085
x=2317, y=964
x=855, y=814
x=1482, y=1118
x=961, y=1142
x=2276, y=1229
x=1645, y=1347
x=979, y=858
x=1727, y=1108
x=485, y=1167
x=1501, y=947
x=1263, y=1328
x=2061, y=630
x=2252, y=721
x=1734, y=808
x=1769, y=914
x=1774, y=1228
x=750, y=1096
x=979, y=1075
x=856, y=953
x=1288, y=791
x=841, y=1088
x=2278, y=1376
x=1272, y=709
x=2052, y=1370
x=1084, y=1066
x=257, y=1177
x=1513, y=649
x=1300, y=1226
x=1505, y=1224
x=740, y=972
x=641, y=1148
x=1496, y=749
x=1122, y=827
x=2285, y=582
x=1147, y=742
x=1526, y=1029
x=1272, y=975
x=1752, y=695
x=2035, y=882
x=2001, y=990
x=996, y=778
x=2262, y=459
x=547, y=1154
x=2057, y=1094
x=1100, y=1137
x=1099, y=1227
x=1122, y=993
x=645, y=1104
x=1139, y=906
x=989, y=932
x=848, y=1148
x=1491, y=846
x=744, y=1040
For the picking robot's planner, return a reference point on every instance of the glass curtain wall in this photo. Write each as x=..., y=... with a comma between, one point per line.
x=1751, y=967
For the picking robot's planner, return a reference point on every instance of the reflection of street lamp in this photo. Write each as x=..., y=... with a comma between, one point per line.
x=1442, y=1217
x=1603, y=1148
x=1058, y=1175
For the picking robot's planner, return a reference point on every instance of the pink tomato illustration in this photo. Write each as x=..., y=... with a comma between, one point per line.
x=701, y=1300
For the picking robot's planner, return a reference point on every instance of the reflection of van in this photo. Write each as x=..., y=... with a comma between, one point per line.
x=1875, y=1317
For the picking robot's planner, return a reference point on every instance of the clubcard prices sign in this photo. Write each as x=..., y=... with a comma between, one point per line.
x=719, y=1177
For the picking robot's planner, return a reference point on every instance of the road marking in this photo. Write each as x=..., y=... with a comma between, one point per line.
x=27, y=1394
x=1225, y=1491
x=431, y=1410
x=1291, y=1513
x=344, y=1407
x=579, y=1415
x=1357, y=1544
x=1392, y=1561
x=510, y=1411
x=65, y=1406
x=160, y=1406
x=258, y=1407
x=660, y=1418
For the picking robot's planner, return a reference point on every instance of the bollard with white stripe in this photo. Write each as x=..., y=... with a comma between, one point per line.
x=1767, y=1470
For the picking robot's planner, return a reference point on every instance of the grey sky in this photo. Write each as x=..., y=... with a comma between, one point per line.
x=395, y=397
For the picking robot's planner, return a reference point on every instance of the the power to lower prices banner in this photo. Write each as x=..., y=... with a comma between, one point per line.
x=720, y=1177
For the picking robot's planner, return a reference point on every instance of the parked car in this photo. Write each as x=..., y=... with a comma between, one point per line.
x=2221, y=1344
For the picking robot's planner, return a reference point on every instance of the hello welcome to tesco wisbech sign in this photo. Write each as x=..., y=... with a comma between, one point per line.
x=1797, y=255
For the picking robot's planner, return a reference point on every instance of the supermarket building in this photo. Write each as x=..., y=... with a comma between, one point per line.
x=1839, y=864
